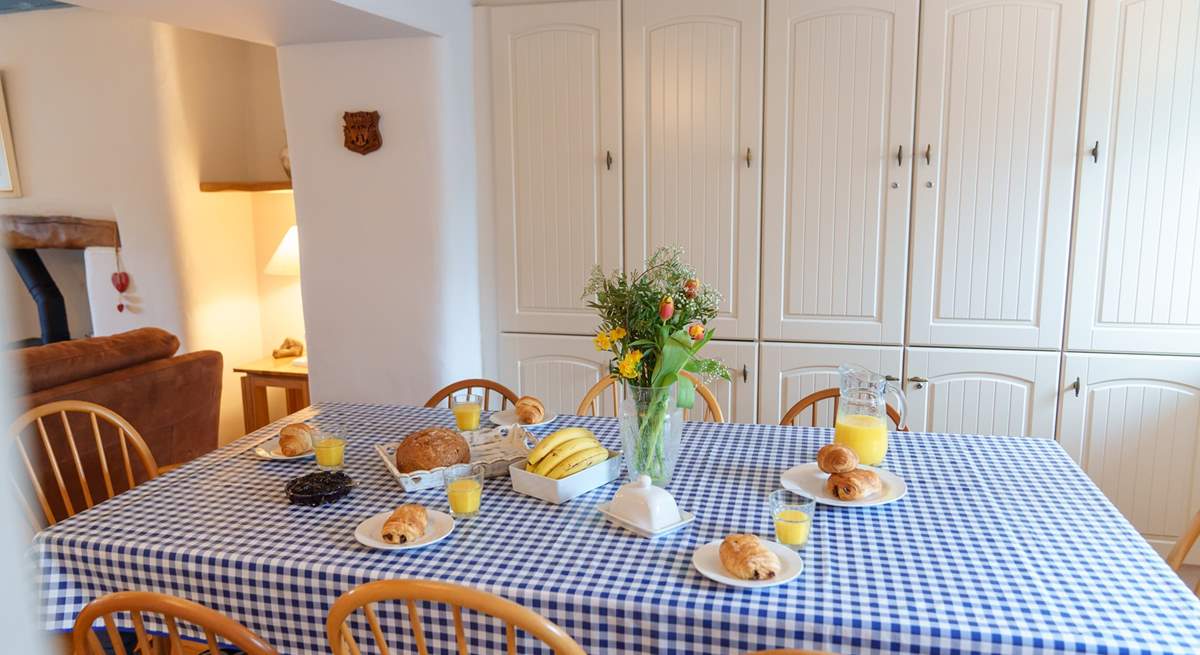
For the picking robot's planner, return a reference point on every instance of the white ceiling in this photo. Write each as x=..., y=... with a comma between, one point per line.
x=269, y=22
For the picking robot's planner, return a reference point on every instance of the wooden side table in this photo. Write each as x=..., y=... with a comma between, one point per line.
x=271, y=372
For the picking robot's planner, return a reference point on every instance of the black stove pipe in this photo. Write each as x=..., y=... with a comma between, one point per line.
x=52, y=310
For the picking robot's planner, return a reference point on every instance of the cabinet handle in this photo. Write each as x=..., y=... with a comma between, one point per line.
x=748, y=158
x=1095, y=156
x=1076, y=386
x=928, y=151
x=891, y=378
x=900, y=156
x=745, y=373
x=608, y=159
x=918, y=382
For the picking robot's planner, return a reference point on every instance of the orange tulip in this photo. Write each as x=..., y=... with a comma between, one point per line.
x=691, y=288
x=696, y=331
x=666, y=308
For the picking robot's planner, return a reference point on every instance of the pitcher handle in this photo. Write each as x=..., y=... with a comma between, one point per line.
x=901, y=403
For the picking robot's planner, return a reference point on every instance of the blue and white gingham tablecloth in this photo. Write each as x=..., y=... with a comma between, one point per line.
x=1002, y=545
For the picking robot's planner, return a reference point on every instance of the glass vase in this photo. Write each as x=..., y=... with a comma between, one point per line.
x=651, y=431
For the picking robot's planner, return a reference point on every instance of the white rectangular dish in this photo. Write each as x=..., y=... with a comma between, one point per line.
x=495, y=448
x=560, y=491
x=684, y=519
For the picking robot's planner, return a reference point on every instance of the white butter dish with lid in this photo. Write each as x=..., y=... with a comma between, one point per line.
x=645, y=509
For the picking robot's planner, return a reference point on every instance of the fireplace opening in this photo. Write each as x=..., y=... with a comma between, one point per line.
x=51, y=306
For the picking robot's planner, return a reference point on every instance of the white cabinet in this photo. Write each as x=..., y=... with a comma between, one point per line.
x=789, y=372
x=738, y=395
x=556, y=90
x=557, y=369
x=998, y=392
x=1136, y=277
x=693, y=124
x=837, y=147
x=998, y=116
x=1135, y=428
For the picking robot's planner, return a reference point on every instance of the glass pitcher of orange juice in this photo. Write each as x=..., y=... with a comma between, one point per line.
x=861, y=423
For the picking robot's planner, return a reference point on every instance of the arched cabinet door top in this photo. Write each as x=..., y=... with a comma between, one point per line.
x=556, y=120
x=998, y=116
x=693, y=131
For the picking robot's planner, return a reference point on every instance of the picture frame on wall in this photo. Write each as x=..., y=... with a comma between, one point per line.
x=10, y=183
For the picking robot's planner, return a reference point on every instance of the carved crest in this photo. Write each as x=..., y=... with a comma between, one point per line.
x=362, y=131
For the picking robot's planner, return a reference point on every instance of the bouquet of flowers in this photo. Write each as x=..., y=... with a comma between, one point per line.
x=654, y=322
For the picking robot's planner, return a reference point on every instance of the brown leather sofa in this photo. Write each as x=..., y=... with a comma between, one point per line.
x=174, y=402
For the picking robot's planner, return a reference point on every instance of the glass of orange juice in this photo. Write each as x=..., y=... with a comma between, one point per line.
x=330, y=449
x=464, y=489
x=792, y=515
x=466, y=408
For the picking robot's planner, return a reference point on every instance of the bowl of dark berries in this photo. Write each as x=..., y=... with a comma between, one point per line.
x=318, y=488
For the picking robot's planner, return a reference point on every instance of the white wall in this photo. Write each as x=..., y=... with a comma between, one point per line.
x=370, y=226
x=122, y=118
x=389, y=242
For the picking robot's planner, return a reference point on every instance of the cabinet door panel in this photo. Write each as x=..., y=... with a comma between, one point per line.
x=839, y=107
x=1136, y=282
x=738, y=395
x=982, y=391
x=559, y=370
x=1135, y=429
x=556, y=111
x=998, y=112
x=789, y=372
x=693, y=105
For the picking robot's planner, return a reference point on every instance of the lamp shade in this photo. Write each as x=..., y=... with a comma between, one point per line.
x=286, y=260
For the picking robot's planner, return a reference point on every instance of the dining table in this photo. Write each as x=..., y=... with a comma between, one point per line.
x=1001, y=545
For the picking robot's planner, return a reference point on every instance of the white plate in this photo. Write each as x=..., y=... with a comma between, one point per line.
x=684, y=519
x=509, y=417
x=439, y=526
x=707, y=560
x=809, y=479
x=269, y=449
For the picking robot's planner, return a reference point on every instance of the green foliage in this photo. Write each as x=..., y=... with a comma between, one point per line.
x=631, y=302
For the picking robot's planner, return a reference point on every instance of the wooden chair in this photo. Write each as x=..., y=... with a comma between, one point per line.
x=1183, y=545
x=217, y=627
x=485, y=387
x=590, y=405
x=342, y=642
x=815, y=397
x=127, y=438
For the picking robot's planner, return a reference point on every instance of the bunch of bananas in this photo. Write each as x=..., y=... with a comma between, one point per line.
x=566, y=452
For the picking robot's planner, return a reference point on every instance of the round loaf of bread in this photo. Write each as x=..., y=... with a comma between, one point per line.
x=430, y=448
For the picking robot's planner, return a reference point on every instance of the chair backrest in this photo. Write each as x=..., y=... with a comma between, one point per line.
x=810, y=402
x=590, y=405
x=484, y=387
x=81, y=416
x=217, y=628
x=1183, y=545
x=342, y=641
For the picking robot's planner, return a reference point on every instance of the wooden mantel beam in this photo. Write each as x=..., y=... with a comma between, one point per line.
x=58, y=232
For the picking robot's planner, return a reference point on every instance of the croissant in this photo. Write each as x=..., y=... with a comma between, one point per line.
x=745, y=557
x=836, y=458
x=296, y=439
x=405, y=525
x=529, y=409
x=853, y=485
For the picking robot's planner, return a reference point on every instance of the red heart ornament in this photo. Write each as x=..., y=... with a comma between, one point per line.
x=120, y=281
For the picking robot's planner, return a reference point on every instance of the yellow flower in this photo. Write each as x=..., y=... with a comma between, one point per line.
x=617, y=333
x=603, y=341
x=629, y=364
